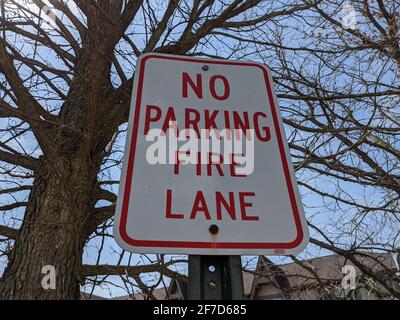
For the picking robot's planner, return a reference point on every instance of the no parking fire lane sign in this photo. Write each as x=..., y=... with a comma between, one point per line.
x=207, y=168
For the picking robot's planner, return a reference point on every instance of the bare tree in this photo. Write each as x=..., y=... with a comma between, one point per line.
x=337, y=68
x=66, y=79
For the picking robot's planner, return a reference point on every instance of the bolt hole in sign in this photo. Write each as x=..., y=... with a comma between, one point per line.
x=207, y=168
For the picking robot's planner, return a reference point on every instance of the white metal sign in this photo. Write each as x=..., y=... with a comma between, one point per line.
x=207, y=168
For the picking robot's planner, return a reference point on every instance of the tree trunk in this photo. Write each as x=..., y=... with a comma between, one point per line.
x=57, y=219
x=52, y=234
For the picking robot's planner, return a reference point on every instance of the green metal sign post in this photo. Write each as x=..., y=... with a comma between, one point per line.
x=215, y=278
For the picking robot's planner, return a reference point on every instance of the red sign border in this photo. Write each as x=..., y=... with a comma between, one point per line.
x=195, y=244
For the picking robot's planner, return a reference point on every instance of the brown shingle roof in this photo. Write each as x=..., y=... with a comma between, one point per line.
x=329, y=268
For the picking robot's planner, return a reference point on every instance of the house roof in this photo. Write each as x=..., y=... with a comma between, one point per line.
x=291, y=275
x=87, y=296
x=248, y=279
x=161, y=293
x=328, y=268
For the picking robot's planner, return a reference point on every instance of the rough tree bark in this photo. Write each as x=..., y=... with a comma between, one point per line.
x=50, y=235
x=59, y=210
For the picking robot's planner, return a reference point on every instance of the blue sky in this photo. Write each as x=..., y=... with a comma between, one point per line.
x=323, y=212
